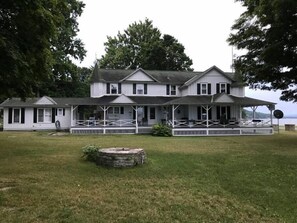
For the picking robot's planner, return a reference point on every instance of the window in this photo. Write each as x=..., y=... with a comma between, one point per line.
x=112, y=88
x=203, y=88
x=60, y=112
x=152, y=113
x=173, y=90
x=170, y=89
x=115, y=110
x=223, y=88
x=16, y=115
x=44, y=115
x=139, y=88
x=202, y=113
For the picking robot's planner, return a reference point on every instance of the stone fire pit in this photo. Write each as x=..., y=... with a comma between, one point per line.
x=121, y=157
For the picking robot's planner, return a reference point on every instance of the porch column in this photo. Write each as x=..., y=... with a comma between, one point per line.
x=172, y=110
x=71, y=116
x=271, y=108
x=207, y=108
x=104, y=108
x=254, y=108
x=136, y=122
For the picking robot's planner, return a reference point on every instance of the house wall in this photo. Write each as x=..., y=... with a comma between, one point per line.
x=212, y=77
x=30, y=125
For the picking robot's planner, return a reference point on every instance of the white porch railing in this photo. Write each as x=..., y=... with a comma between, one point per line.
x=101, y=123
x=216, y=123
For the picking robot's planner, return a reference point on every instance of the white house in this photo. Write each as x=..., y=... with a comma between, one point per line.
x=132, y=101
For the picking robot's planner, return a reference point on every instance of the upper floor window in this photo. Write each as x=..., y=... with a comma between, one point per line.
x=170, y=89
x=223, y=88
x=112, y=88
x=204, y=88
x=139, y=88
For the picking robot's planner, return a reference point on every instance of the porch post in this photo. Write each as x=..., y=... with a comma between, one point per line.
x=172, y=110
x=207, y=121
x=71, y=116
x=136, y=122
x=254, y=108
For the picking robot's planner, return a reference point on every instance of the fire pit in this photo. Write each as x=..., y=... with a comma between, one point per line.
x=121, y=157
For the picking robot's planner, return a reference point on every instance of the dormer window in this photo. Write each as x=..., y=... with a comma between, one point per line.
x=112, y=88
x=170, y=89
x=223, y=88
x=139, y=88
x=203, y=88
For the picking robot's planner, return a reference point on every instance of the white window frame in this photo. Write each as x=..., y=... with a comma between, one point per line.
x=223, y=86
x=172, y=89
x=59, y=111
x=45, y=117
x=114, y=88
x=14, y=115
x=139, y=88
x=204, y=89
x=114, y=110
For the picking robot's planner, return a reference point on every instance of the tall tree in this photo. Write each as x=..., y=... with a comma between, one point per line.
x=142, y=45
x=267, y=31
x=37, y=40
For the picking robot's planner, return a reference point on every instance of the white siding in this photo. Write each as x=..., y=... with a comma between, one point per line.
x=139, y=76
x=97, y=89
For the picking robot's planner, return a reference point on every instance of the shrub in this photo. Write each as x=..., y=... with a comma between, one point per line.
x=161, y=130
x=90, y=152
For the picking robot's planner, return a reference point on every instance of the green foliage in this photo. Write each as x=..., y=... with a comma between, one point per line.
x=90, y=152
x=267, y=32
x=161, y=130
x=142, y=45
x=37, y=41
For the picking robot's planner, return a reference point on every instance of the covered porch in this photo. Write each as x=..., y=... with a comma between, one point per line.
x=187, y=116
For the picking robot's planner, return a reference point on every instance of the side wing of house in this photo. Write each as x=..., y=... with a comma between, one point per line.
x=35, y=114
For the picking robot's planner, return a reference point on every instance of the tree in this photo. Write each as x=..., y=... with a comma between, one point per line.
x=37, y=40
x=142, y=45
x=267, y=31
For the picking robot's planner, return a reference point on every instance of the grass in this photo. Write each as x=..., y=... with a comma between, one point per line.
x=186, y=179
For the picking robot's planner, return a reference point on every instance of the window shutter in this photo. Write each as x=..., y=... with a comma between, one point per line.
x=145, y=88
x=53, y=115
x=35, y=115
x=9, y=115
x=119, y=88
x=122, y=110
x=199, y=112
x=209, y=88
x=167, y=89
x=218, y=88
x=198, y=88
x=134, y=88
x=108, y=88
x=228, y=88
x=218, y=112
x=22, y=115
x=63, y=111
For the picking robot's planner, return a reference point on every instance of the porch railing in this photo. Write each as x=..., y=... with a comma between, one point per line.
x=109, y=122
x=217, y=123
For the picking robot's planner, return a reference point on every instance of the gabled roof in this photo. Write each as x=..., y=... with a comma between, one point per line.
x=184, y=78
x=141, y=70
x=197, y=77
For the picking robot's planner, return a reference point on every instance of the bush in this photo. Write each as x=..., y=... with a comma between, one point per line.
x=161, y=130
x=90, y=152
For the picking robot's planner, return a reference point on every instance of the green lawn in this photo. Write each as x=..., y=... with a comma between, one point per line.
x=186, y=179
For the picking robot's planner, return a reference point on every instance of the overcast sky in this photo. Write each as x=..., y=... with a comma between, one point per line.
x=201, y=26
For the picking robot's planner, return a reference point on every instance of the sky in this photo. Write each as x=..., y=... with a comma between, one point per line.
x=201, y=26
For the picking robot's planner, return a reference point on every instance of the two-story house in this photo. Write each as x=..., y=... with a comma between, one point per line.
x=132, y=101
